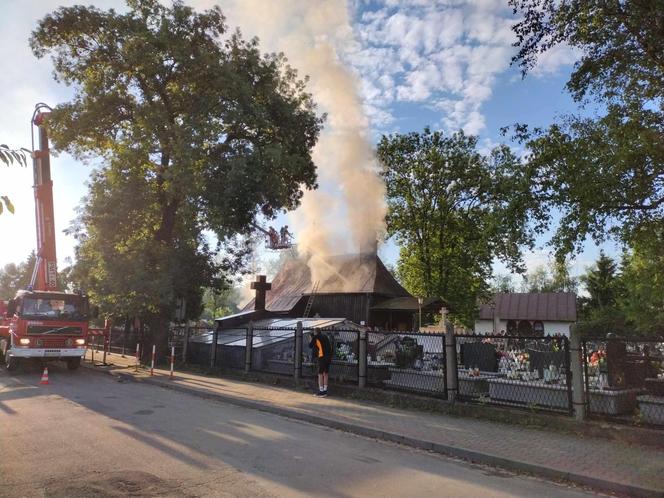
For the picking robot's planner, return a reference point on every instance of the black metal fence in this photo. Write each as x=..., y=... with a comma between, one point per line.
x=530, y=372
x=624, y=379
x=413, y=362
x=273, y=350
x=345, y=345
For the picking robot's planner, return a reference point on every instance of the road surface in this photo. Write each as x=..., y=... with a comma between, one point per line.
x=89, y=434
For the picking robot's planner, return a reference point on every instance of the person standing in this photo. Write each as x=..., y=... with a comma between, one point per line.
x=323, y=353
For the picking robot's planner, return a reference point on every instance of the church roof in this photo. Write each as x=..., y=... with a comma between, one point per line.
x=347, y=274
x=545, y=306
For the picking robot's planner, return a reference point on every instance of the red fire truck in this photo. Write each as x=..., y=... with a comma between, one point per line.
x=42, y=322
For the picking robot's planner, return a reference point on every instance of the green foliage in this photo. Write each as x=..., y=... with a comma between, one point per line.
x=199, y=132
x=643, y=281
x=220, y=303
x=605, y=173
x=502, y=284
x=602, y=283
x=10, y=156
x=14, y=277
x=453, y=210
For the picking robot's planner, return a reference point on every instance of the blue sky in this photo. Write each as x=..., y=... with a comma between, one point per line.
x=416, y=63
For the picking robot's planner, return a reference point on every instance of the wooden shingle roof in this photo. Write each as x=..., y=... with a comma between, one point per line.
x=350, y=274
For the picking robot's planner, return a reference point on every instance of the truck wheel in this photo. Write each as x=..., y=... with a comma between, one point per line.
x=10, y=362
x=73, y=363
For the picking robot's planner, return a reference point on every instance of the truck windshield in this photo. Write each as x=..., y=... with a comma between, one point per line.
x=53, y=308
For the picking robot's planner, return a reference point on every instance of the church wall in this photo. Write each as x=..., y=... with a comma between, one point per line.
x=353, y=307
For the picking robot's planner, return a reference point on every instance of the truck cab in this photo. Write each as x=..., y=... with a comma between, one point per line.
x=45, y=325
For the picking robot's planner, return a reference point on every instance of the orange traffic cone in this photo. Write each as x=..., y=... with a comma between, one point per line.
x=44, y=379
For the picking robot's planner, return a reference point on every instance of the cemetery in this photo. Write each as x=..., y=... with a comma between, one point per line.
x=621, y=379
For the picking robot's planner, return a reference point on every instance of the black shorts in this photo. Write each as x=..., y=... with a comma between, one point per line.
x=324, y=365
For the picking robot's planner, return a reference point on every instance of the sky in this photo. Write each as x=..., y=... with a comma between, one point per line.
x=416, y=63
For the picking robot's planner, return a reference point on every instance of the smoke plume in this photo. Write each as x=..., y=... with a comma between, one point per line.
x=346, y=215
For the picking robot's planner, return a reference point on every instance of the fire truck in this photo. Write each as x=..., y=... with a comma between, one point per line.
x=42, y=322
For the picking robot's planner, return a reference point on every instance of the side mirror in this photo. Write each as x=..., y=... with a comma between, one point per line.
x=94, y=312
x=11, y=308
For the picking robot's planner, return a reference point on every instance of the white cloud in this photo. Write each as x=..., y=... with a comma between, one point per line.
x=551, y=61
x=446, y=52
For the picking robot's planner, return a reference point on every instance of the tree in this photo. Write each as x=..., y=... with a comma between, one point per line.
x=600, y=312
x=219, y=303
x=199, y=131
x=452, y=210
x=642, y=278
x=605, y=173
x=14, y=277
x=502, y=284
x=602, y=283
x=559, y=280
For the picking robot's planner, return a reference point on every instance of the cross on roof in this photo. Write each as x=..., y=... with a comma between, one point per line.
x=261, y=286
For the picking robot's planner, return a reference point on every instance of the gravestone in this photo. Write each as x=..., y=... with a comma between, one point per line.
x=539, y=360
x=479, y=354
x=616, y=359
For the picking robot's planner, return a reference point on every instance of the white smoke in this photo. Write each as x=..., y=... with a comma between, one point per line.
x=346, y=215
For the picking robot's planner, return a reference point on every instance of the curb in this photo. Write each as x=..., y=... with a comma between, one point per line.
x=443, y=449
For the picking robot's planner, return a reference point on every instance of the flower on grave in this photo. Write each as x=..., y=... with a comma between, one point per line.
x=598, y=358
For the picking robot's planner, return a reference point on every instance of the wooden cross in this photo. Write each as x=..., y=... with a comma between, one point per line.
x=261, y=286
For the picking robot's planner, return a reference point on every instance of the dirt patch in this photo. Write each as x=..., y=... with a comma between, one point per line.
x=114, y=484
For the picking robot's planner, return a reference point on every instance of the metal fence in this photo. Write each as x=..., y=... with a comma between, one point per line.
x=273, y=350
x=413, y=362
x=531, y=372
x=624, y=379
x=345, y=345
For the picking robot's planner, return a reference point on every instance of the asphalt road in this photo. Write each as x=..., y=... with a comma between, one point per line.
x=87, y=434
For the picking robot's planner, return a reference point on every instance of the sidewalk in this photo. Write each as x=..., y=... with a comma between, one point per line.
x=604, y=465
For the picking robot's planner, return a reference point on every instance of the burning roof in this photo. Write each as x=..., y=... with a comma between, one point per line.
x=344, y=274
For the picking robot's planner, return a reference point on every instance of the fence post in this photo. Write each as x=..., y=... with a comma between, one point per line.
x=297, y=360
x=138, y=350
x=451, y=373
x=576, y=367
x=172, y=360
x=154, y=348
x=186, y=342
x=362, y=359
x=248, y=348
x=213, y=353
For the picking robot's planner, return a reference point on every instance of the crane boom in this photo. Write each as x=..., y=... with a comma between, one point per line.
x=44, y=275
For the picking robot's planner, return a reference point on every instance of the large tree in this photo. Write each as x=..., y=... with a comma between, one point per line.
x=199, y=131
x=604, y=173
x=453, y=210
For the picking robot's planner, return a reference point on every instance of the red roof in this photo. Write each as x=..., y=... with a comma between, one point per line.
x=545, y=306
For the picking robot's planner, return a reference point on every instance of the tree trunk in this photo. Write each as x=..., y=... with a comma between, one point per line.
x=158, y=336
